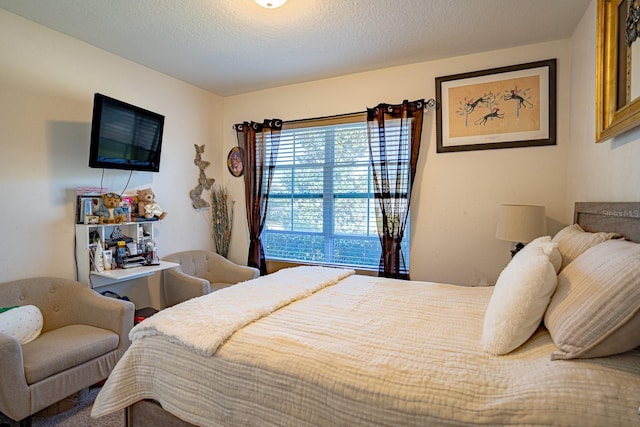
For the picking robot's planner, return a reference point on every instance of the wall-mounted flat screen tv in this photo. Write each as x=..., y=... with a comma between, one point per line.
x=124, y=136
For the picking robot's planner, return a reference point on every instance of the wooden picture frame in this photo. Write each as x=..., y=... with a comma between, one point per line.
x=506, y=107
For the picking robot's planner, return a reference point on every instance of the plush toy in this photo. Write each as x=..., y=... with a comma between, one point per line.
x=147, y=206
x=110, y=211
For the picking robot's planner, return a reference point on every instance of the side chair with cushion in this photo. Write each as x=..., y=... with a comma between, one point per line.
x=83, y=334
x=199, y=273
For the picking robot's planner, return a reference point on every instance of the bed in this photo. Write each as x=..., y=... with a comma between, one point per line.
x=316, y=346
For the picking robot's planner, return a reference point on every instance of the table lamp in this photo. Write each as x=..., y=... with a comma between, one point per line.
x=520, y=224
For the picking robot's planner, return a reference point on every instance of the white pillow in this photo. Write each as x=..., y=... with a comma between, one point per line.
x=519, y=300
x=549, y=247
x=22, y=323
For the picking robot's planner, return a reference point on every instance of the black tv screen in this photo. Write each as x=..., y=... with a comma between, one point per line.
x=124, y=136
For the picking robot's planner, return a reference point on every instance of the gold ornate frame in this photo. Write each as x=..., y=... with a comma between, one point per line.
x=612, y=117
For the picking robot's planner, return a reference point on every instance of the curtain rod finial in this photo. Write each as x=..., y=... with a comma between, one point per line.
x=431, y=103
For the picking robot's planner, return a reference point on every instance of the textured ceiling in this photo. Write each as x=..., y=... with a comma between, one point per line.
x=234, y=46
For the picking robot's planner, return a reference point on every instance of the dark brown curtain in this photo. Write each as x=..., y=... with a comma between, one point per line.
x=394, y=133
x=258, y=144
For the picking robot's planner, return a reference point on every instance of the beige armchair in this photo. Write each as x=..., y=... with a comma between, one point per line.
x=83, y=336
x=199, y=273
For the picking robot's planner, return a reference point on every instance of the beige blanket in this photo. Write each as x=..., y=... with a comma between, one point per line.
x=202, y=324
x=371, y=351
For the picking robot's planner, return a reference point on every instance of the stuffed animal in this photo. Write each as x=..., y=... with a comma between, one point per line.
x=147, y=206
x=110, y=211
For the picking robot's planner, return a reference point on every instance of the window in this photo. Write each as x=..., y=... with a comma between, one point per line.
x=321, y=205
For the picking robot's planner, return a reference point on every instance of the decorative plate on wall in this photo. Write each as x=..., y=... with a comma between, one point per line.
x=235, y=162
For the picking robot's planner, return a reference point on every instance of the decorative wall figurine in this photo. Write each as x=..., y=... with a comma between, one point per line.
x=204, y=183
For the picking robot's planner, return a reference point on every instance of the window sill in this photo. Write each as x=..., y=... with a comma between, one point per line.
x=274, y=265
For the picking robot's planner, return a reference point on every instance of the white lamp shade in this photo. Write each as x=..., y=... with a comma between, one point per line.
x=521, y=223
x=271, y=4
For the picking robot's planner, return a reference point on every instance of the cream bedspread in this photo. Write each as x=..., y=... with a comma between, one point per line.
x=202, y=324
x=370, y=351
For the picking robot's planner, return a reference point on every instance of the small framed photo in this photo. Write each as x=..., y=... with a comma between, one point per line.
x=88, y=208
x=235, y=161
x=507, y=107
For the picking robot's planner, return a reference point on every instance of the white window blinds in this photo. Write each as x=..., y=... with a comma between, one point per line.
x=321, y=205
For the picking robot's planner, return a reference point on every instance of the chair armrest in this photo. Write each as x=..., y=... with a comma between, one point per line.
x=179, y=287
x=229, y=272
x=14, y=391
x=107, y=313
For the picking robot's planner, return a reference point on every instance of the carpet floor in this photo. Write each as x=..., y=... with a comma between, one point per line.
x=78, y=416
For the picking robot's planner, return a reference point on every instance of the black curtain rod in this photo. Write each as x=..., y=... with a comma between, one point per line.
x=429, y=104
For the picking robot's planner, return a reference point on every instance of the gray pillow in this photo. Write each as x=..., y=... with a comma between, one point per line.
x=573, y=241
x=595, y=310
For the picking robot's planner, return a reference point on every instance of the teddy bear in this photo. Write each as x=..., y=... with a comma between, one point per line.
x=110, y=211
x=147, y=206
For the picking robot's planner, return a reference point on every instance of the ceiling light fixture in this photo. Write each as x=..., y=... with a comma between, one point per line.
x=271, y=4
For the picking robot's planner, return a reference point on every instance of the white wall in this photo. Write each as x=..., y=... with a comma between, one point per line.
x=47, y=82
x=607, y=171
x=456, y=197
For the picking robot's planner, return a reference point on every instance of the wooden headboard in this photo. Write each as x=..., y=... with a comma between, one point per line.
x=616, y=217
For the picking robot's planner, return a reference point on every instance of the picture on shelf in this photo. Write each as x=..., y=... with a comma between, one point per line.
x=87, y=209
x=82, y=207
